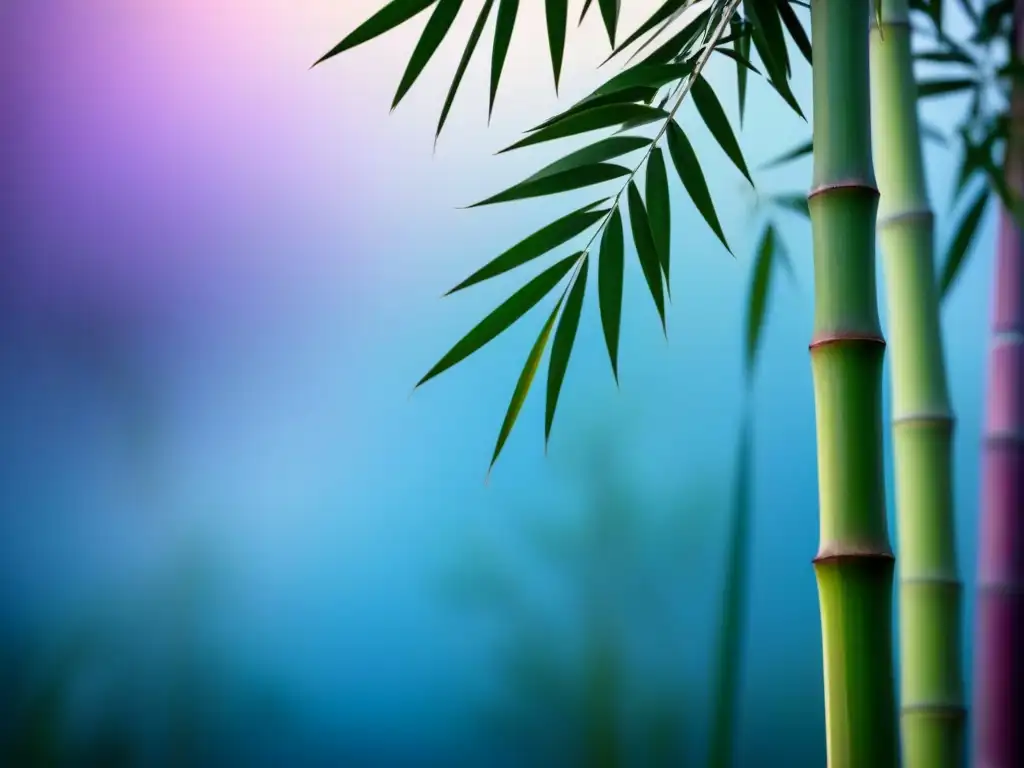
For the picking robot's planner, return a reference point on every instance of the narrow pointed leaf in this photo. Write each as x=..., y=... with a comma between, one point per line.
x=644, y=75
x=961, y=243
x=556, y=13
x=945, y=57
x=742, y=49
x=794, y=203
x=741, y=62
x=787, y=157
x=609, y=286
x=591, y=120
x=666, y=10
x=930, y=88
x=778, y=69
x=690, y=173
x=513, y=308
x=522, y=389
x=758, y=300
x=675, y=45
x=474, y=39
x=563, y=181
x=646, y=251
x=437, y=27
x=714, y=117
x=610, y=16
x=626, y=96
x=506, y=22
x=658, y=210
x=771, y=27
x=796, y=29
x=586, y=7
x=540, y=242
x=605, y=149
x=392, y=15
x=561, y=347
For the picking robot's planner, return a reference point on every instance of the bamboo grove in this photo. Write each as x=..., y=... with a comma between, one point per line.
x=865, y=100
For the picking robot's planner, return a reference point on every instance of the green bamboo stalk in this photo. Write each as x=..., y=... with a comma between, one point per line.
x=854, y=564
x=931, y=680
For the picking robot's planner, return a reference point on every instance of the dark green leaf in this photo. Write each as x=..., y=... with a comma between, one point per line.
x=610, y=15
x=628, y=96
x=513, y=308
x=794, y=154
x=392, y=15
x=586, y=7
x=689, y=170
x=523, y=385
x=561, y=348
x=767, y=19
x=758, y=301
x=591, y=120
x=795, y=203
x=658, y=210
x=609, y=286
x=474, y=39
x=667, y=9
x=437, y=27
x=962, y=241
x=930, y=88
x=741, y=63
x=605, y=149
x=540, y=242
x=675, y=45
x=711, y=111
x=778, y=69
x=796, y=29
x=644, y=75
x=556, y=12
x=645, y=249
x=563, y=181
x=945, y=57
x=742, y=49
x=506, y=22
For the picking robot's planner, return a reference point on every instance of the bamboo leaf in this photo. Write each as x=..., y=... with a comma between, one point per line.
x=556, y=13
x=645, y=76
x=741, y=62
x=742, y=49
x=540, y=242
x=474, y=39
x=945, y=57
x=688, y=167
x=646, y=252
x=563, y=181
x=962, y=241
x=591, y=120
x=523, y=385
x=711, y=111
x=605, y=149
x=437, y=27
x=561, y=347
x=667, y=9
x=658, y=210
x=792, y=202
x=672, y=48
x=609, y=286
x=626, y=96
x=771, y=28
x=778, y=69
x=583, y=13
x=610, y=15
x=758, y=301
x=513, y=308
x=796, y=29
x=392, y=15
x=930, y=88
x=786, y=157
x=506, y=22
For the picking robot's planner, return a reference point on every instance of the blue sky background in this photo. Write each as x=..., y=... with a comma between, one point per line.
x=221, y=282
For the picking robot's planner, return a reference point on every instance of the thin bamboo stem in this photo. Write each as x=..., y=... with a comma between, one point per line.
x=999, y=661
x=854, y=564
x=931, y=679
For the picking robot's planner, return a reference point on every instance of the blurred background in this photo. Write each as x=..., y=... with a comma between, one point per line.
x=227, y=534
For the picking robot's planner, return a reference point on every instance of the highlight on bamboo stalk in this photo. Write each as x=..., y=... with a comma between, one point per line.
x=640, y=105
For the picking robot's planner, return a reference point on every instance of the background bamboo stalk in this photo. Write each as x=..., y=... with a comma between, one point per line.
x=854, y=564
x=931, y=679
x=999, y=671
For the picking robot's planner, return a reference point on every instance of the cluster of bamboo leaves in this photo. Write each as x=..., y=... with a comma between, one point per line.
x=639, y=106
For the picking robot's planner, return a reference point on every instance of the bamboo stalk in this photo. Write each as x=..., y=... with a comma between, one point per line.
x=931, y=679
x=999, y=669
x=854, y=564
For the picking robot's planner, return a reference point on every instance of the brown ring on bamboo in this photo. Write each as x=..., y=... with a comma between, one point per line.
x=832, y=337
x=832, y=186
x=832, y=555
x=926, y=420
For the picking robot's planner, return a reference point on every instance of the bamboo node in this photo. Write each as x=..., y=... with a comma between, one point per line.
x=835, y=552
x=834, y=337
x=920, y=214
x=926, y=419
x=864, y=185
